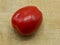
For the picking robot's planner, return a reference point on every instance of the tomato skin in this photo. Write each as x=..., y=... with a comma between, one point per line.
x=26, y=20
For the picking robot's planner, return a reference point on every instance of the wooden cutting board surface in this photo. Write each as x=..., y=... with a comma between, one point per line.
x=48, y=33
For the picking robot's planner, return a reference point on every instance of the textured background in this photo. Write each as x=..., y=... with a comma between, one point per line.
x=48, y=34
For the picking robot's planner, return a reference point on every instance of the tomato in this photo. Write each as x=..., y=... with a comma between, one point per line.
x=27, y=20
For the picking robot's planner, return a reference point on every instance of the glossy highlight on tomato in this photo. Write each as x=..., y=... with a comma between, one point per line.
x=27, y=20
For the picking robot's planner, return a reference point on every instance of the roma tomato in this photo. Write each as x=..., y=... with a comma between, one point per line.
x=26, y=20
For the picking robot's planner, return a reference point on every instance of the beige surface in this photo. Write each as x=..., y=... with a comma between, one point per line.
x=48, y=34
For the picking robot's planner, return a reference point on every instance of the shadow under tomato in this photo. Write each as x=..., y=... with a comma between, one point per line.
x=24, y=37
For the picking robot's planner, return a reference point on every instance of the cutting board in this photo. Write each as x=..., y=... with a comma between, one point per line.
x=47, y=34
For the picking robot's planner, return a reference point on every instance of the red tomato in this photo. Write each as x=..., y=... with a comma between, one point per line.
x=26, y=20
